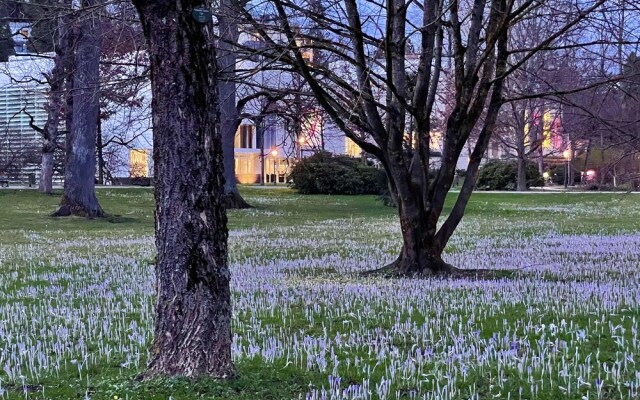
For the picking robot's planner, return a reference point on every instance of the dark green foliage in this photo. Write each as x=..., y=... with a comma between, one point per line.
x=324, y=173
x=497, y=175
x=534, y=178
x=556, y=174
x=502, y=175
x=6, y=43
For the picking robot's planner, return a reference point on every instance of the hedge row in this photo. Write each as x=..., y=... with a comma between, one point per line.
x=325, y=173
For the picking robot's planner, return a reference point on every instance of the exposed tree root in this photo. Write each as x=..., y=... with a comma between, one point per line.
x=437, y=269
x=67, y=210
x=152, y=374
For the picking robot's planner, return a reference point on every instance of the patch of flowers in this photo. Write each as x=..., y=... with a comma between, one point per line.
x=566, y=326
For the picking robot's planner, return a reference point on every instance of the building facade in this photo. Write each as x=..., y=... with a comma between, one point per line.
x=22, y=104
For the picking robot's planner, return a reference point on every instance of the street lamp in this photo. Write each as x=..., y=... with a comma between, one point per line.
x=274, y=153
x=567, y=156
x=301, y=142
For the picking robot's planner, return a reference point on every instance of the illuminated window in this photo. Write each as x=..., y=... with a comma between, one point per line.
x=244, y=137
x=352, y=149
x=494, y=150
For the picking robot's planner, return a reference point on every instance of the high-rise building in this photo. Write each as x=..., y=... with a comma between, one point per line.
x=22, y=103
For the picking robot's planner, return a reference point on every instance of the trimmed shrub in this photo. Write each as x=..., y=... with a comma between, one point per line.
x=534, y=177
x=324, y=173
x=503, y=175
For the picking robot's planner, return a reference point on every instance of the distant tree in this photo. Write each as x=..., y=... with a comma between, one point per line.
x=229, y=115
x=123, y=82
x=60, y=75
x=125, y=113
x=79, y=197
x=373, y=91
x=193, y=310
x=14, y=156
x=631, y=75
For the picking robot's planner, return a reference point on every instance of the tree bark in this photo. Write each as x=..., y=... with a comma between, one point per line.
x=79, y=197
x=46, y=172
x=419, y=255
x=193, y=310
x=522, y=174
x=229, y=118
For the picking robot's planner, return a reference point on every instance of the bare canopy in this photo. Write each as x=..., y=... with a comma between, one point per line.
x=387, y=66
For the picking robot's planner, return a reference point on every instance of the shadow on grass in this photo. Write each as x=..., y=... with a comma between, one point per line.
x=254, y=380
x=119, y=219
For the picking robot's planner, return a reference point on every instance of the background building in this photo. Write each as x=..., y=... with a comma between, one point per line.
x=22, y=102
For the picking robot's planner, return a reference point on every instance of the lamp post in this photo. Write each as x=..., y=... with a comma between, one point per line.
x=274, y=153
x=567, y=156
x=260, y=135
x=301, y=142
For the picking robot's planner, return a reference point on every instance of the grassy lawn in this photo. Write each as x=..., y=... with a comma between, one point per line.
x=76, y=301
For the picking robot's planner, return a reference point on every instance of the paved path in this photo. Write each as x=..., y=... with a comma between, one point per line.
x=101, y=187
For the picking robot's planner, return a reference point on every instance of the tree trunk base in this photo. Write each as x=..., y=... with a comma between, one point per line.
x=193, y=326
x=433, y=269
x=234, y=201
x=153, y=373
x=68, y=208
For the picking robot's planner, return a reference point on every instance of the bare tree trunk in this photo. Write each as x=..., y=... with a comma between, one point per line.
x=63, y=62
x=229, y=118
x=522, y=174
x=193, y=310
x=419, y=255
x=79, y=196
x=521, y=152
x=46, y=169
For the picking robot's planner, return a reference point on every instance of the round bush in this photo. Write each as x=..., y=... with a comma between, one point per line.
x=324, y=173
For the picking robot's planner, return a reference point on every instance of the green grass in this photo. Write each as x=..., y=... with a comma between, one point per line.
x=103, y=266
x=131, y=210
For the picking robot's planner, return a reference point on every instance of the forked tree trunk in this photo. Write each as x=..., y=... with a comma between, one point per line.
x=79, y=197
x=193, y=310
x=419, y=255
x=423, y=237
x=229, y=118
